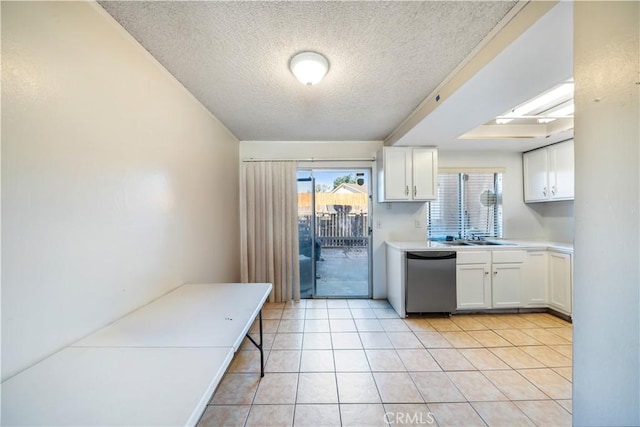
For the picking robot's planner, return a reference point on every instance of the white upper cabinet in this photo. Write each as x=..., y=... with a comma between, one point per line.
x=549, y=173
x=396, y=174
x=425, y=173
x=407, y=174
x=536, y=176
x=561, y=171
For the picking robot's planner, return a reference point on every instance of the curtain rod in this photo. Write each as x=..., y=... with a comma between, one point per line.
x=363, y=159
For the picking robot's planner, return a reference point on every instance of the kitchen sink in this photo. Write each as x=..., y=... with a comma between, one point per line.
x=474, y=243
x=458, y=243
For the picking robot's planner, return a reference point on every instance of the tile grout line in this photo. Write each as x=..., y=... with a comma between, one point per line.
x=295, y=398
x=335, y=372
x=406, y=370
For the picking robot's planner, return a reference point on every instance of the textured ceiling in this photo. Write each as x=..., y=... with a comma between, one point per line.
x=385, y=58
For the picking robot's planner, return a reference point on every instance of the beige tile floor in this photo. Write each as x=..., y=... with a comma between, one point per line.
x=350, y=362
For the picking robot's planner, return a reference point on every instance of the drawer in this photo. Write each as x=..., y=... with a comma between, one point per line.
x=508, y=256
x=473, y=257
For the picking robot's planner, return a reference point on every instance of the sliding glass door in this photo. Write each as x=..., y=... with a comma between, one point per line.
x=306, y=235
x=334, y=232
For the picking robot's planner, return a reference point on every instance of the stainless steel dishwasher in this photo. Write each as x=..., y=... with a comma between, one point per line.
x=431, y=282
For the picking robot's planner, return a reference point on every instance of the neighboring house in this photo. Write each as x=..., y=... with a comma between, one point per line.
x=345, y=188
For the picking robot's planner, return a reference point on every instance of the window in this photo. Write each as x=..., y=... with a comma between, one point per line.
x=468, y=205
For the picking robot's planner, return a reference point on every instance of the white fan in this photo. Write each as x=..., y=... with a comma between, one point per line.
x=488, y=198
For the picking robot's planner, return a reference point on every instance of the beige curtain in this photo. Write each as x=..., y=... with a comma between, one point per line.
x=269, y=231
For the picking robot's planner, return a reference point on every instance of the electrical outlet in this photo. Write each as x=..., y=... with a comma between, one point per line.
x=418, y=223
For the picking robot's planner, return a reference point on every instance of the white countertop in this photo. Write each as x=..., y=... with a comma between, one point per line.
x=510, y=244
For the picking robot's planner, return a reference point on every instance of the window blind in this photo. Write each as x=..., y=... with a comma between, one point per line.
x=468, y=205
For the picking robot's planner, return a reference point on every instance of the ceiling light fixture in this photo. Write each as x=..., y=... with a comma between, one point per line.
x=309, y=67
x=564, y=111
x=557, y=93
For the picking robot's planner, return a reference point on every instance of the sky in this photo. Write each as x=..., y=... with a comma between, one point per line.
x=327, y=177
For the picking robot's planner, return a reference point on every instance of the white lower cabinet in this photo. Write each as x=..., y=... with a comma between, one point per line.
x=507, y=278
x=487, y=279
x=507, y=285
x=473, y=288
x=560, y=282
x=535, y=279
x=473, y=280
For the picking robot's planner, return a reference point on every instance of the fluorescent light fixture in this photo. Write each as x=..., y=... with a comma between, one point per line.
x=309, y=67
x=564, y=111
x=540, y=101
x=547, y=98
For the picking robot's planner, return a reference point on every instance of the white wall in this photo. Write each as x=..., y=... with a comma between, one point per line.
x=606, y=312
x=557, y=219
x=117, y=185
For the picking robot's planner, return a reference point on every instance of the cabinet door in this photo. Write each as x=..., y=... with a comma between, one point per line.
x=560, y=281
x=473, y=286
x=536, y=179
x=561, y=171
x=425, y=173
x=507, y=285
x=397, y=176
x=535, y=279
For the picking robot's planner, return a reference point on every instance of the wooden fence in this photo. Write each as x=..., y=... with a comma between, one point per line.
x=341, y=229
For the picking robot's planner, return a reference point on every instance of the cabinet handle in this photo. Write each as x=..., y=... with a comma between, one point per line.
x=406, y=190
x=415, y=191
x=486, y=273
x=495, y=272
x=544, y=191
x=553, y=190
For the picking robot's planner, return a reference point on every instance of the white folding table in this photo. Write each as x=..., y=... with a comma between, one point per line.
x=158, y=365
x=206, y=315
x=115, y=386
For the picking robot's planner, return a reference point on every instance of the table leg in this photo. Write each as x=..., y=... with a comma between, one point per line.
x=259, y=345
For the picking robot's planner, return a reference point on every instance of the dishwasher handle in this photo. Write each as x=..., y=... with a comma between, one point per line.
x=427, y=255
